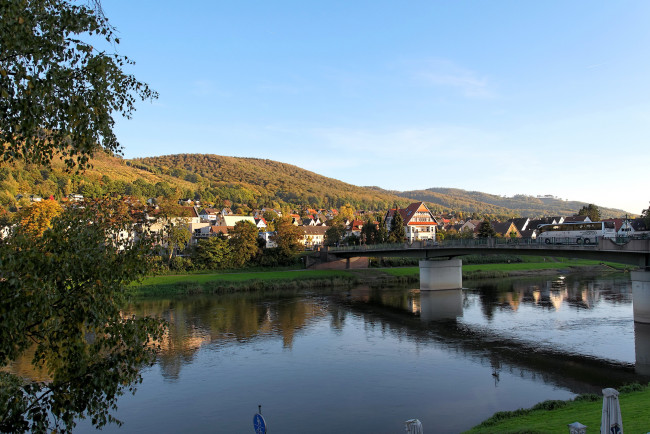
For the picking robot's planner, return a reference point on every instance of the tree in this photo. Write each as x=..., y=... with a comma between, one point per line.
x=382, y=235
x=177, y=234
x=646, y=216
x=61, y=295
x=212, y=253
x=396, y=233
x=288, y=237
x=61, y=292
x=59, y=93
x=37, y=217
x=485, y=229
x=334, y=232
x=591, y=211
x=243, y=241
x=347, y=212
x=370, y=233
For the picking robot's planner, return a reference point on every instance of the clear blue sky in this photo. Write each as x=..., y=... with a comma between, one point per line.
x=504, y=97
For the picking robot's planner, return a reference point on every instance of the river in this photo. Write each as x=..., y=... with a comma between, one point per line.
x=366, y=360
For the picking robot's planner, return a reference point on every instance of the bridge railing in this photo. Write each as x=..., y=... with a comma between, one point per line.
x=467, y=243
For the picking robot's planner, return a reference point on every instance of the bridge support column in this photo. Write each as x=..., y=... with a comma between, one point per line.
x=641, y=296
x=437, y=275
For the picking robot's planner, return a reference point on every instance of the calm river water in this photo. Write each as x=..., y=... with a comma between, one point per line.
x=365, y=360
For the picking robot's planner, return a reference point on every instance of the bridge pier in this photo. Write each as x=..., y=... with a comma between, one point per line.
x=441, y=275
x=641, y=296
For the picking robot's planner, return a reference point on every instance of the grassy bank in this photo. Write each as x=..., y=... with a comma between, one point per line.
x=485, y=271
x=210, y=283
x=554, y=416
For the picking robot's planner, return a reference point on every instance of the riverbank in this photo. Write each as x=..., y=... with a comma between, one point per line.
x=554, y=416
x=216, y=283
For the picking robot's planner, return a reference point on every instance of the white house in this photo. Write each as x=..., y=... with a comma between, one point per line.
x=419, y=223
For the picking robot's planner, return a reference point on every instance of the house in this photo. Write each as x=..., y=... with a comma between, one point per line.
x=226, y=211
x=209, y=214
x=75, y=197
x=186, y=202
x=633, y=228
x=577, y=219
x=35, y=198
x=314, y=236
x=311, y=222
x=419, y=223
x=231, y=220
x=520, y=223
x=266, y=236
x=506, y=229
x=534, y=224
x=191, y=214
x=354, y=228
x=261, y=224
x=529, y=233
x=470, y=225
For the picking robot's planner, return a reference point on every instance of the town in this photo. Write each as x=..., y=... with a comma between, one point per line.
x=185, y=224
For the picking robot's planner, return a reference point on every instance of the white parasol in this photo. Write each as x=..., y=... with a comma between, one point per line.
x=611, y=422
x=413, y=426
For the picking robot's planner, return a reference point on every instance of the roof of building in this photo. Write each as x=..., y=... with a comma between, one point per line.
x=314, y=230
x=230, y=220
x=503, y=227
x=520, y=222
x=223, y=229
x=576, y=218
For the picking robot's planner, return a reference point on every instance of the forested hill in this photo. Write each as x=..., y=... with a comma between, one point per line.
x=260, y=182
x=250, y=183
x=476, y=201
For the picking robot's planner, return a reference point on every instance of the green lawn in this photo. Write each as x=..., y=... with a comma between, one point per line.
x=515, y=266
x=635, y=410
x=240, y=277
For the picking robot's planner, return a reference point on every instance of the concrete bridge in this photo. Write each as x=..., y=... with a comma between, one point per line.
x=441, y=270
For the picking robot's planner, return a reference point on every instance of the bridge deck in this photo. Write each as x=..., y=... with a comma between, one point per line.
x=632, y=252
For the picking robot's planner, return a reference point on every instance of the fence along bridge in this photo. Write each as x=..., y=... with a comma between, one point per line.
x=440, y=269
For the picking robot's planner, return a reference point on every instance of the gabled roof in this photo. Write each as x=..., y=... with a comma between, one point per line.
x=223, y=229
x=230, y=220
x=520, y=223
x=314, y=230
x=409, y=212
x=576, y=218
x=502, y=228
x=189, y=211
x=617, y=223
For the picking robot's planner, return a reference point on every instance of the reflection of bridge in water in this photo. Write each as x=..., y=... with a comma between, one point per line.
x=440, y=270
x=433, y=316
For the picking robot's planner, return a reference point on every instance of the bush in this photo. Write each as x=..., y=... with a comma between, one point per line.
x=179, y=263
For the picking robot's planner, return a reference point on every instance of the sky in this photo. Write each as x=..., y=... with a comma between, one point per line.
x=503, y=97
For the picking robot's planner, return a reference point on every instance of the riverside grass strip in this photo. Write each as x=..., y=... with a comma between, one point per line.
x=211, y=283
x=554, y=416
x=502, y=270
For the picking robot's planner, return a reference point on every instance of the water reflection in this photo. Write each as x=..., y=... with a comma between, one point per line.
x=238, y=318
x=366, y=359
x=441, y=305
x=642, y=348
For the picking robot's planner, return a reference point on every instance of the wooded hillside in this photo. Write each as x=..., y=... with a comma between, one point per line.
x=252, y=183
